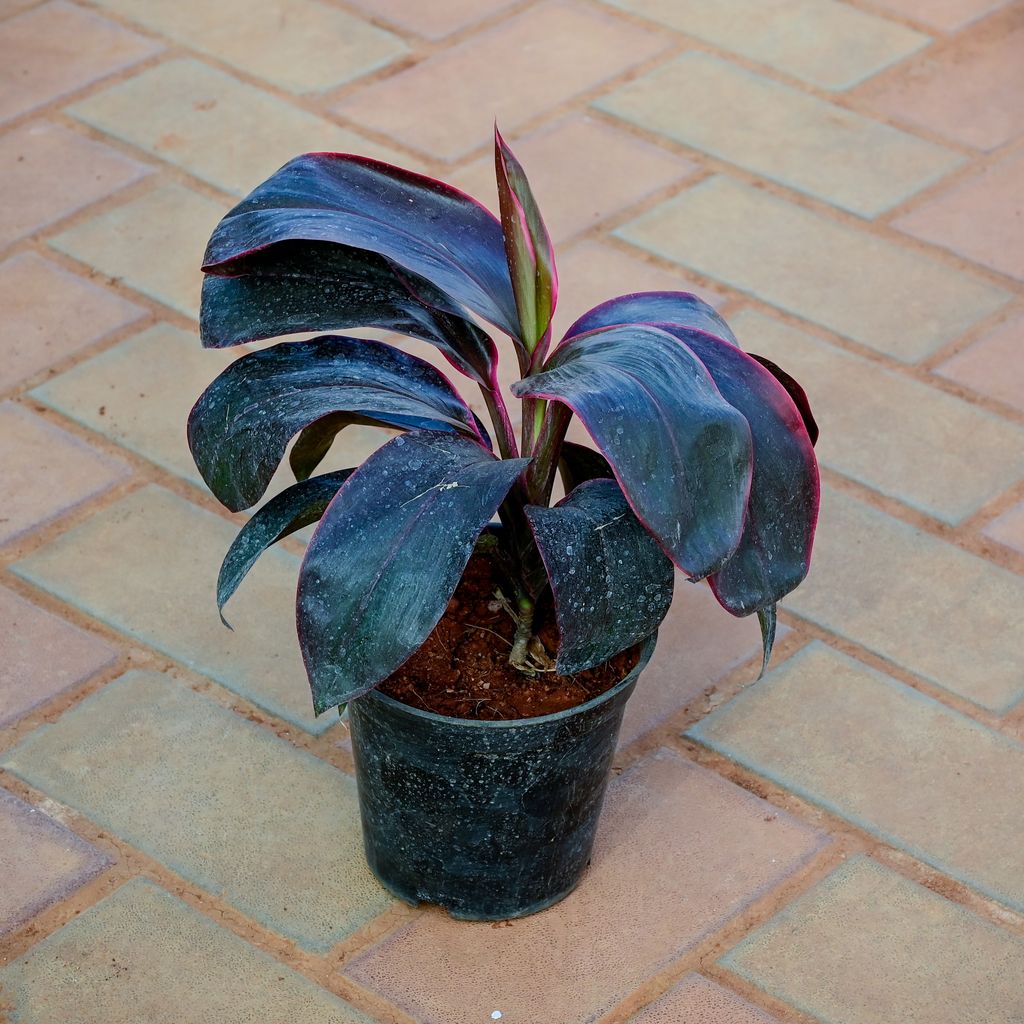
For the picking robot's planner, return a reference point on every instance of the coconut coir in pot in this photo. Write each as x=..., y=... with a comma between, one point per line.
x=462, y=671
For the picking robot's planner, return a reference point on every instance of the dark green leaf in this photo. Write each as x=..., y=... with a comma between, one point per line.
x=240, y=427
x=388, y=554
x=611, y=582
x=285, y=513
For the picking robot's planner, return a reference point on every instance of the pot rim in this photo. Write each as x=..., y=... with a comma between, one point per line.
x=517, y=723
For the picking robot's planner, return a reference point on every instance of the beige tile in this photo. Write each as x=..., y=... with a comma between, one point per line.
x=680, y=851
x=861, y=286
x=154, y=243
x=912, y=442
x=930, y=607
x=50, y=314
x=1008, y=528
x=695, y=1000
x=868, y=944
x=546, y=55
x=981, y=219
x=947, y=15
x=33, y=456
x=220, y=129
x=57, y=48
x=968, y=90
x=299, y=45
x=610, y=171
x=436, y=19
x=993, y=365
x=911, y=771
x=38, y=187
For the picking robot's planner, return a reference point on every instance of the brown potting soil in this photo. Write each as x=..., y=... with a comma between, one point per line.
x=463, y=671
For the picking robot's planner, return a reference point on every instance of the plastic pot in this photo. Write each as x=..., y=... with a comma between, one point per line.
x=489, y=820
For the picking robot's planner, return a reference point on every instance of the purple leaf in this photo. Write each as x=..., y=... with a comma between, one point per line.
x=299, y=286
x=795, y=391
x=431, y=229
x=680, y=452
x=388, y=554
x=679, y=308
x=577, y=463
x=240, y=427
x=611, y=582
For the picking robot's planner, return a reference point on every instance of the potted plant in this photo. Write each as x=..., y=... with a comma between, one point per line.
x=485, y=662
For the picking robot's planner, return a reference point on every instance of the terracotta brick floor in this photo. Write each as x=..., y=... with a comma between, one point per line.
x=841, y=842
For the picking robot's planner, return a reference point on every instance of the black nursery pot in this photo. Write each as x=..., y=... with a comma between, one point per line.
x=489, y=820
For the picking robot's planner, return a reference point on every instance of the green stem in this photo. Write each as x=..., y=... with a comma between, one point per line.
x=498, y=411
x=540, y=477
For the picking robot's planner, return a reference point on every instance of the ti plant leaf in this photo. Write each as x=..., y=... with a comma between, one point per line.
x=795, y=391
x=240, y=427
x=611, y=582
x=577, y=463
x=300, y=286
x=388, y=554
x=768, y=618
x=286, y=513
x=428, y=228
x=680, y=452
x=531, y=257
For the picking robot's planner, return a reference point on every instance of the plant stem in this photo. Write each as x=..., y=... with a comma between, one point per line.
x=519, y=655
x=498, y=411
x=540, y=477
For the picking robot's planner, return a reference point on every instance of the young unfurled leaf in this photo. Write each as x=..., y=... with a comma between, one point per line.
x=286, y=513
x=530, y=254
x=679, y=450
x=611, y=582
x=388, y=554
x=240, y=427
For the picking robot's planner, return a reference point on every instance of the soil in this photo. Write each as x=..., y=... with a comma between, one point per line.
x=462, y=671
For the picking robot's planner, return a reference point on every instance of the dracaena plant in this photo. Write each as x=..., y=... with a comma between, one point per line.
x=703, y=453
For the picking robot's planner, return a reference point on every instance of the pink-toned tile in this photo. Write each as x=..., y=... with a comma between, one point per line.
x=981, y=219
x=698, y=644
x=679, y=851
x=947, y=15
x=582, y=172
x=968, y=89
x=695, y=1000
x=46, y=471
x=48, y=314
x=436, y=19
x=993, y=365
x=42, y=861
x=514, y=71
x=50, y=173
x=42, y=656
x=1008, y=528
x=51, y=51
x=593, y=271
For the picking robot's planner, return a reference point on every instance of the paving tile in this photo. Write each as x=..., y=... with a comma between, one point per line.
x=788, y=136
x=863, y=287
x=43, y=862
x=981, y=219
x=144, y=955
x=46, y=471
x=951, y=457
x=867, y=944
x=593, y=270
x=823, y=42
x=546, y=55
x=610, y=171
x=53, y=50
x=299, y=45
x=228, y=133
x=641, y=905
x=893, y=761
x=42, y=656
x=1008, y=529
x=437, y=19
x=947, y=15
x=930, y=607
x=50, y=314
x=993, y=365
x=695, y=1000
x=37, y=186
x=147, y=566
x=154, y=244
x=967, y=90
x=217, y=799
x=123, y=394
x=698, y=644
